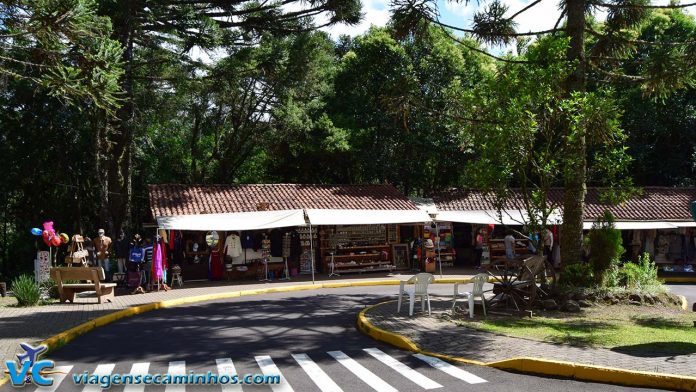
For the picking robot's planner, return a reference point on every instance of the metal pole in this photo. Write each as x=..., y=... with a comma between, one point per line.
x=439, y=259
x=311, y=250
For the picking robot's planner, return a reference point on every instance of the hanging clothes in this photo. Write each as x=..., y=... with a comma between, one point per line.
x=217, y=270
x=233, y=246
x=157, y=265
x=277, y=243
x=159, y=261
x=247, y=240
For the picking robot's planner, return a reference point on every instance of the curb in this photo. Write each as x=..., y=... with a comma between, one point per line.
x=540, y=366
x=678, y=279
x=61, y=339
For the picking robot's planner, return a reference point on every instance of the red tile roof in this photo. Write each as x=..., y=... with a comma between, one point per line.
x=177, y=199
x=655, y=203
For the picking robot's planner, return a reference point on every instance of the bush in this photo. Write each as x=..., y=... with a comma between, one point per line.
x=605, y=245
x=25, y=289
x=611, y=277
x=577, y=275
x=641, y=275
x=50, y=289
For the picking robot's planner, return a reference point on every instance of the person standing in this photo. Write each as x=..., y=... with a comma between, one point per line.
x=547, y=241
x=122, y=250
x=478, y=248
x=102, y=245
x=509, y=245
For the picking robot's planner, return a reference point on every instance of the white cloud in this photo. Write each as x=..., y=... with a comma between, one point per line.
x=375, y=12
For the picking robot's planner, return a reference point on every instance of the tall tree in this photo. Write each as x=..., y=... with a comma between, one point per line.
x=604, y=55
x=62, y=46
x=178, y=27
x=397, y=99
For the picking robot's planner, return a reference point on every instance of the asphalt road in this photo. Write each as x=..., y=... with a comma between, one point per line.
x=286, y=330
x=687, y=290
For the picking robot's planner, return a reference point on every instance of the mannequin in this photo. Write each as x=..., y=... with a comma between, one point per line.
x=102, y=246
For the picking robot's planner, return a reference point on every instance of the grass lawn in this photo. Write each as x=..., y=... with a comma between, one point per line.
x=618, y=327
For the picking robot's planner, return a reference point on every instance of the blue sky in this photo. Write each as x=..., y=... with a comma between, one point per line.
x=376, y=12
x=542, y=16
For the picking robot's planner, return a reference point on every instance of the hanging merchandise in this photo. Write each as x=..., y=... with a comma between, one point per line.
x=276, y=243
x=247, y=240
x=233, y=246
x=217, y=270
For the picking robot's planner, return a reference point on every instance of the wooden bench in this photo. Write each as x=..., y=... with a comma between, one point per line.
x=93, y=274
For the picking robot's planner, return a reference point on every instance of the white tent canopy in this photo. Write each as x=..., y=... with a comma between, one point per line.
x=505, y=217
x=257, y=220
x=684, y=224
x=366, y=217
x=635, y=225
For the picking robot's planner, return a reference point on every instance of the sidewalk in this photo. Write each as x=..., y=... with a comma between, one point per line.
x=431, y=334
x=37, y=323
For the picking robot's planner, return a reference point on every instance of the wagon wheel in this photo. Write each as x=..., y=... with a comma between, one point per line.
x=545, y=278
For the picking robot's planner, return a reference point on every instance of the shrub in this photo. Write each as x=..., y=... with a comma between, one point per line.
x=611, y=277
x=50, y=289
x=25, y=289
x=641, y=275
x=577, y=275
x=605, y=245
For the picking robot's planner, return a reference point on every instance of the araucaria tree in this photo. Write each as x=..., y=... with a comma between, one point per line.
x=597, y=55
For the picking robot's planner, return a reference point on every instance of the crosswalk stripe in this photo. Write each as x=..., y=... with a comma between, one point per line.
x=269, y=368
x=101, y=370
x=226, y=367
x=450, y=369
x=176, y=368
x=323, y=381
x=60, y=372
x=140, y=368
x=404, y=370
x=362, y=372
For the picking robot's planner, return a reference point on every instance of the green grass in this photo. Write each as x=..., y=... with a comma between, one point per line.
x=629, y=329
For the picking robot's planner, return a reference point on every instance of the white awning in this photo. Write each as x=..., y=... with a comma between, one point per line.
x=366, y=217
x=257, y=220
x=684, y=224
x=636, y=225
x=505, y=217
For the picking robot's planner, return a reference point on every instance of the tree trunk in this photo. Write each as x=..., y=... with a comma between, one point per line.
x=576, y=167
x=115, y=144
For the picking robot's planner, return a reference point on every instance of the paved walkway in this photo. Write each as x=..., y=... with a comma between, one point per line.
x=436, y=335
x=37, y=323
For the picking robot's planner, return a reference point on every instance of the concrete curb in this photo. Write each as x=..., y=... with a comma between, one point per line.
x=540, y=366
x=61, y=339
x=678, y=279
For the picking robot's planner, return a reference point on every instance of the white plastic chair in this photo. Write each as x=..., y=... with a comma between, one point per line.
x=420, y=289
x=477, y=292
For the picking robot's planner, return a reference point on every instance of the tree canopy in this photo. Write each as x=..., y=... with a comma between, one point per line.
x=101, y=98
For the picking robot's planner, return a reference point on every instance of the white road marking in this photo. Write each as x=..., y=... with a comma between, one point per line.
x=450, y=369
x=226, y=367
x=323, y=381
x=101, y=370
x=176, y=368
x=362, y=372
x=60, y=372
x=138, y=368
x=404, y=370
x=269, y=368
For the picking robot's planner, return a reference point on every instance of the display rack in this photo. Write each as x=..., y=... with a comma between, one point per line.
x=305, y=256
x=357, y=249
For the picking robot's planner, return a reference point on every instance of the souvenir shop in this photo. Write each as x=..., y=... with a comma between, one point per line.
x=315, y=233
x=282, y=253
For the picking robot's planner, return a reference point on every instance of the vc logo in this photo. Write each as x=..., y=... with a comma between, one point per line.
x=28, y=369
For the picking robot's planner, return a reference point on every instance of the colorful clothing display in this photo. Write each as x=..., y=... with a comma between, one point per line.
x=217, y=270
